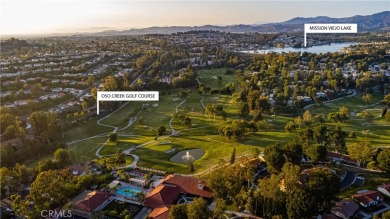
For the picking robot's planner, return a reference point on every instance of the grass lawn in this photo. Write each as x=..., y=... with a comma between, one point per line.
x=372, y=181
x=208, y=77
x=123, y=143
x=85, y=150
x=216, y=148
x=122, y=116
x=87, y=129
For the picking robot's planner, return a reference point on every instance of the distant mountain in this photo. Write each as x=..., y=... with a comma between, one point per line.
x=374, y=22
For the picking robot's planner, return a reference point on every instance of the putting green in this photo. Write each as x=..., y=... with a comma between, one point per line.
x=196, y=153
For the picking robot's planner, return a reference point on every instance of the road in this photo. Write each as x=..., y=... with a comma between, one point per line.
x=348, y=180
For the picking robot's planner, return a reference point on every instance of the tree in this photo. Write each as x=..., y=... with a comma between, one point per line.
x=307, y=117
x=110, y=84
x=22, y=173
x=224, y=182
x=360, y=151
x=6, y=120
x=290, y=127
x=386, y=215
x=10, y=132
x=84, y=105
x=321, y=135
x=244, y=110
x=161, y=130
x=62, y=157
x=293, y=152
x=219, y=209
x=118, y=159
x=197, y=209
x=274, y=157
x=383, y=159
x=299, y=121
x=8, y=181
x=316, y=153
x=290, y=174
x=344, y=113
x=338, y=137
x=113, y=137
x=257, y=116
x=300, y=204
x=322, y=185
x=273, y=199
x=52, y=189
x=384, y=112
x=19, y=205
x=334, y=117
x=191, y=168
x=233, y=157
x=178, y=212
x=367, y=98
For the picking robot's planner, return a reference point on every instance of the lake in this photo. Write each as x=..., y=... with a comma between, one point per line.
x=333, y=47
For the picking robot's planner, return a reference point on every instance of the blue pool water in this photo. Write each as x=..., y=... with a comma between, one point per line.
x=127, y=191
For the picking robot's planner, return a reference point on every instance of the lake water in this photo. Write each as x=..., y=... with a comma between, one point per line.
x=333, y=47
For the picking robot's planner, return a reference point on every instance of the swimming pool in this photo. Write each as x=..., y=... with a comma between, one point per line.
x=127, y=191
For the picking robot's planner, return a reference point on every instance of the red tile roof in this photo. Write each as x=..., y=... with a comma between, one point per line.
x=188, y=185
x=367, y=197
x=88, y=202
x=162, y=196
x=160, y=213
x=167, y=193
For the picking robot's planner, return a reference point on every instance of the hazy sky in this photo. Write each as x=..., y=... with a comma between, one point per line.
x=35, y=17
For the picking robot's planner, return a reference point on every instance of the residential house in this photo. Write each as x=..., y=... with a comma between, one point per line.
x=161, y=199
x=338, y=158
x=385, y=189
x=367, y=198
x=20, y=103
x=90, y=201
x=57, y=89
x=168, y=192
x=345, y=209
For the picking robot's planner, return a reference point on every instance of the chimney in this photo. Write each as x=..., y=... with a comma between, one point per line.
x=200, y=185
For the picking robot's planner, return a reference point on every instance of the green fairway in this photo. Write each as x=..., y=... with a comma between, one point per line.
x=123, y=143
x=354, y=104
x=87, y=129
x=85, y=150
